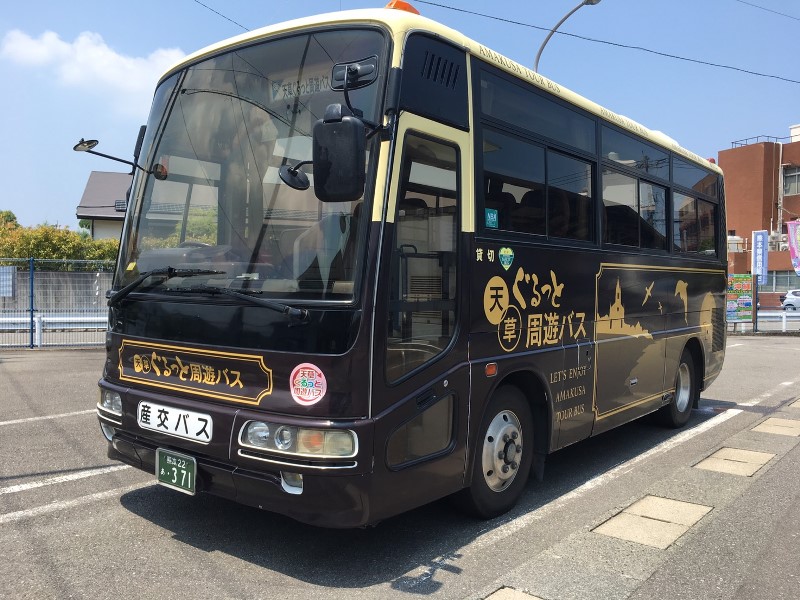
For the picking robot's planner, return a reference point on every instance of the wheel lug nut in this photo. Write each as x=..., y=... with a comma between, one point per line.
x=505, y=469
x=506, y=439
x=514, y=435
x=501, y=455
x=514, y=466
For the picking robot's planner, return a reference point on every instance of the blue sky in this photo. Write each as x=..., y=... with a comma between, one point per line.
x=86, y=68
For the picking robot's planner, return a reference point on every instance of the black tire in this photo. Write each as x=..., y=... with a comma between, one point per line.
x=677, y=412
x=502, y=457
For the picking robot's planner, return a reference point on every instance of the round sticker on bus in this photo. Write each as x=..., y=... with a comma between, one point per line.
x=307, y=384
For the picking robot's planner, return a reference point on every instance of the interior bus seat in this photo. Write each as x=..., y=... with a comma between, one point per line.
x=531, y=214
x=318, y=252
x=558, y=217
x=503, y=202
x=412, y=204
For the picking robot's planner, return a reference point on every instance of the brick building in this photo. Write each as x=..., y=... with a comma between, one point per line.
x=762, y=191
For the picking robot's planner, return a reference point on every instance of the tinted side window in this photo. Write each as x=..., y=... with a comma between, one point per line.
x=621, y=207
x=693, y=177
x=513, y=184
x=635, y=154
x=706, y=220
x=653, y=216
x=524, y=108
x=684, y=223
x=569, y=197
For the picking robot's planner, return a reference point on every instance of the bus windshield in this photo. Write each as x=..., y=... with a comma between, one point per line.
x=219, y=131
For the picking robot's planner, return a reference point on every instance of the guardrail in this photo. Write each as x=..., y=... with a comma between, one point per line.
x=772, y=320
x=41, y=326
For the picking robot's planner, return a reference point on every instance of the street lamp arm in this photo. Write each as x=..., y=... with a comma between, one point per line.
x=553, y=30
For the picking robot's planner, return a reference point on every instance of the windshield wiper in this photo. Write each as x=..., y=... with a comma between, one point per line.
x=299, y=314
x=168, y=272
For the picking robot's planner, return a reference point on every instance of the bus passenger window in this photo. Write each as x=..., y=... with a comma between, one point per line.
x=653, y=216
x=513, y=179
x=621, y=206
x=684, y=223
x=569, y=197
x=707, y=226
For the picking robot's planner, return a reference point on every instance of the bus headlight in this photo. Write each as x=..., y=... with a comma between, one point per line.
x=257, y=434
x=284, y=438
x=299, y=441
x=111, y=401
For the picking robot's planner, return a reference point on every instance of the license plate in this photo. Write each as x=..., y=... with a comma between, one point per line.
x=176, y=471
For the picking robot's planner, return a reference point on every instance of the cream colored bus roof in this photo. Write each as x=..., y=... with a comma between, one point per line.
x=400, y=22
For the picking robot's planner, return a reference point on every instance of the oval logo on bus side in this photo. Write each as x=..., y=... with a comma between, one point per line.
x=307, y=384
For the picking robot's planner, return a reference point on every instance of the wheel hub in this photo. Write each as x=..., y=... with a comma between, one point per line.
x=502, y=451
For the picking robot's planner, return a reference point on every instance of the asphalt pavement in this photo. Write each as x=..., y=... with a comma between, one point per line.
x=709, y=511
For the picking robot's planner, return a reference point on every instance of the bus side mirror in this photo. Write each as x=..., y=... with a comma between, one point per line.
x=338, y=154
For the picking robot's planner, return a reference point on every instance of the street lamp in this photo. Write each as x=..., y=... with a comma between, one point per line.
x=553, y=30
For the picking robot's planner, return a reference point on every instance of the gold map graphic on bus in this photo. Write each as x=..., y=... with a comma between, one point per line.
x=642, y=315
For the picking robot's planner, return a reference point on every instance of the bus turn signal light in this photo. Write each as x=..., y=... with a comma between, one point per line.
x=401, y=5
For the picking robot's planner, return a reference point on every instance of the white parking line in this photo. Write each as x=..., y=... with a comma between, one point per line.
x=34, y=419
x=766, y=395
x=65, y=504
x=12, y=489
x=508, y=529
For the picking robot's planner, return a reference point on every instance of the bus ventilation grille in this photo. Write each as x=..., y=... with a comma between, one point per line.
x=440, y=70
x=717, y=329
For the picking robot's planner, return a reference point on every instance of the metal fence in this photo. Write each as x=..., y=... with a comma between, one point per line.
x=53, y=302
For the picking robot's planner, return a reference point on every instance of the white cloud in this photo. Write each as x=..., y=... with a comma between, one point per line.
x=90, y=64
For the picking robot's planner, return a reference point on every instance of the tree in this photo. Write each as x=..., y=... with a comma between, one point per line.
x=50, y=242
x=8, y=219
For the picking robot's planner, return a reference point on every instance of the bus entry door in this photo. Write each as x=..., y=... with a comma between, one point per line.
x=420, y=390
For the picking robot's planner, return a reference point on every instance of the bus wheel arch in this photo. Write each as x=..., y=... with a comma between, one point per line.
x=688, y=382
x=501, y=457
x=694, y=346
x=533, y=388
x=518, y=402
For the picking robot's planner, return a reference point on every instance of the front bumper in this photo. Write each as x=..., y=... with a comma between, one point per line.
x=339, y=501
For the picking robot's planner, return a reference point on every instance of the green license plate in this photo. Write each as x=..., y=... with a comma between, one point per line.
x=176, y=471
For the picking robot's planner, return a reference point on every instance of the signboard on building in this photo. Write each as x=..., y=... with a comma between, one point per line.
x=739, y=304
x=760, y=249
x=793, y=229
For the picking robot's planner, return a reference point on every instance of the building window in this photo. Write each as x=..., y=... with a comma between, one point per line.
x=791, y=181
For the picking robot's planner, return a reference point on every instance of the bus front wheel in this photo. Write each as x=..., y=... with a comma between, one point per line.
x=677, y=412
x=503, y=455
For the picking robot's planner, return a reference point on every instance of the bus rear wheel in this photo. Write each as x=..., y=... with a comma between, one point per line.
x=503, y=454
x=677, y=412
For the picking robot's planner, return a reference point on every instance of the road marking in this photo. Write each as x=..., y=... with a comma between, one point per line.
x=735, y=345
x=65, y=504
x=22, y=487
x=492, y=536
x=766, y=395
x=34, y=419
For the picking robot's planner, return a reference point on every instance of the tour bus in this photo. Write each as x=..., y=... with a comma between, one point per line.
x=368, y=263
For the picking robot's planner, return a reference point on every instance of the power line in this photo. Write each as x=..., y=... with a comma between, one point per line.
x=221, y=15
x=618, y=45
x=768, y=10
